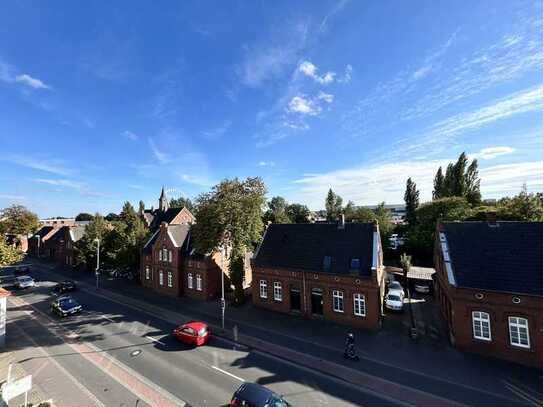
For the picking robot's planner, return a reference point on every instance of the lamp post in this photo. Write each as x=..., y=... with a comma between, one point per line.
x=39, y=240
x=97, y=272
x=223, y=302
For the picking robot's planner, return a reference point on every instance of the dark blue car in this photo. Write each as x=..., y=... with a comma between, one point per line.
x=255, y=395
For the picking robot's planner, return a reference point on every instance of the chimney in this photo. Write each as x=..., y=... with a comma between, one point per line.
x=163, y=226
x=341, y=224
x=491, y=218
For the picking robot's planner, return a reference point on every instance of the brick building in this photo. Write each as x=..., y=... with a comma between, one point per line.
x=171, y=266
x=57, y=242
x=489, y=284
x=153, y=218
x=321, y=270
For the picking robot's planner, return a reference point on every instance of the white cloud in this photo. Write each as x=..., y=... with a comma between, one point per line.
x=135, y=186
x=162, y=157
x=492, y=152
x=310, y=70
x=12, y=197
x=335, y=10
x=266, y=164
x=301, y=104
x=129, y=135
x=217, y=132
x=37, y=164
x=30, y=81
x=371, y=184
x=347, y=76
x=199, y=181
x=60, y=183
x=327, y=97
x=268, y=60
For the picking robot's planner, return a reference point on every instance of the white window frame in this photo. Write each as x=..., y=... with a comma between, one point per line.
x=190, y=281
x=480, y=319
x=277, y=291
x=263, y=289
x=199, y=282
x=170, y=279
x=147, y=272
x=160, y=255
x=170, y=256
x=160, y=277
x=515, y=324
x=337, y=297
x=359, y=304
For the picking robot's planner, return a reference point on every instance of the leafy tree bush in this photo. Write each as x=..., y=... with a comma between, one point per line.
x=18, y=220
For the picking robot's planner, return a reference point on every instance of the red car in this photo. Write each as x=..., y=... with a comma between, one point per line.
x=193, y=333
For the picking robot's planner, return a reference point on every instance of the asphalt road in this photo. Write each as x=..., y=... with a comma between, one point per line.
x=204, y=376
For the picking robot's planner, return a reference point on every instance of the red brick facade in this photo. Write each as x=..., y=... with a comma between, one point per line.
x=310, y=285
x=176, y=274
x=461, y=308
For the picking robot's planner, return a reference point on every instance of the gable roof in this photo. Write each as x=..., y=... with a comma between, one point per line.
x=44, y=231
x=155, y=217
x=506, y=256
x=177, y=233
x=304, y=246
x=77, y=232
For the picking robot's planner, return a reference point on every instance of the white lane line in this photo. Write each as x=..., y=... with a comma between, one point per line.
x=155, y=340
x=109, y=319
x=227, y=373
x=523, y=394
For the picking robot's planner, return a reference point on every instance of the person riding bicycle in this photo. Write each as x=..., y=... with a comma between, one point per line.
x=349, y=345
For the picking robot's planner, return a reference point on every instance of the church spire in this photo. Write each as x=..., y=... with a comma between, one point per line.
x=163, y=201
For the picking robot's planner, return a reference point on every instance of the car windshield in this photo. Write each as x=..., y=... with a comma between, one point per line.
x=68, y=302
x=395, y=286
x=394, y=298
x=25, y=279
x=202, y=331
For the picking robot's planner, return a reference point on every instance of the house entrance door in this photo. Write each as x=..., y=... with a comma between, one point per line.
x=295, y=301
x=316, y=301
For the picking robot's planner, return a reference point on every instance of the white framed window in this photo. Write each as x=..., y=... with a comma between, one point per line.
x=277, y=291
x=170, y=279
x=199, y=282
x=263, y=289
x=160, y=277
x=160, y=255
x=170, y=256
x=147, y=273
x=338, y=300
x=359, y=303
x=481, y=325
x=189, y=280
x=519, y=333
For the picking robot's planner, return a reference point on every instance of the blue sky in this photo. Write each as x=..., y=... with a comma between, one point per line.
x=102, y=103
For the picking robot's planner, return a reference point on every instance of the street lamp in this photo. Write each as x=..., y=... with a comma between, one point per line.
x=223, y=302
x=97, y=272
x=39, y=239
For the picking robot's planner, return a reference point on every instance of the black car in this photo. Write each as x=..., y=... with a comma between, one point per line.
x=64, y=287
x=255, y=395
x=66, y=305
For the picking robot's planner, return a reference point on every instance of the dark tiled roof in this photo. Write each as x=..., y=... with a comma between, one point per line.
x=43, y=231
x=507, y=257
x=304, y=246
x=178, y=232
x=59, y=234
x=156, y=217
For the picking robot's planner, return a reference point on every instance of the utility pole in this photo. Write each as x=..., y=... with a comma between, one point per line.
x=97, y=272
x=223, y=302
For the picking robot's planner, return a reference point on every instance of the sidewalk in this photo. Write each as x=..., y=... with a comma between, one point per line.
x=438, y=370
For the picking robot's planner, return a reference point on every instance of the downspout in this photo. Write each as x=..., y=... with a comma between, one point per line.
x=303, y=289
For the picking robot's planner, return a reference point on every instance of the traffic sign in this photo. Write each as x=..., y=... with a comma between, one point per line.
x=15, y=388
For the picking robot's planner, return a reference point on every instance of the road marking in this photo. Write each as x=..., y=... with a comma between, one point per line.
x=109, y=319
x=227, y=373
x=523, y=394
x=155, y=340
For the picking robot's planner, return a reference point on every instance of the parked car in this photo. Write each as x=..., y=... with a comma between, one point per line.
x=22, y=282
x=394, y=301
x=255, y=395
x=193, y=333
x=422, y=287
x=395, y=286
x=64, y=287
x=66, y=305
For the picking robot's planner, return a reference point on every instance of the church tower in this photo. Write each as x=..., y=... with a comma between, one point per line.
x=163, y=202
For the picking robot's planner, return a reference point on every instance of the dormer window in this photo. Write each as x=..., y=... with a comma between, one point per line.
x=327, y=263
x=355, y=264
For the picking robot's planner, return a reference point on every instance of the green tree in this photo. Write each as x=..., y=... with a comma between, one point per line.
x=333, y=205
x=459, y=184
x=19, y=220
x=439, y=185
x=420, y=239
x=182, y=202
x=231, y=216
x=298, y=213
x=111, y=217
x=522, y=207
x=411, y=198
x=85, y=247
x=9, y=254
x=141, y=208
x=277, y=210
x=473, y=184
x=84, y=217
x=382, y=216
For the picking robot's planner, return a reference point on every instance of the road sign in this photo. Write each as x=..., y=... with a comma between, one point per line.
x=222, y=303
x=15, y=388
